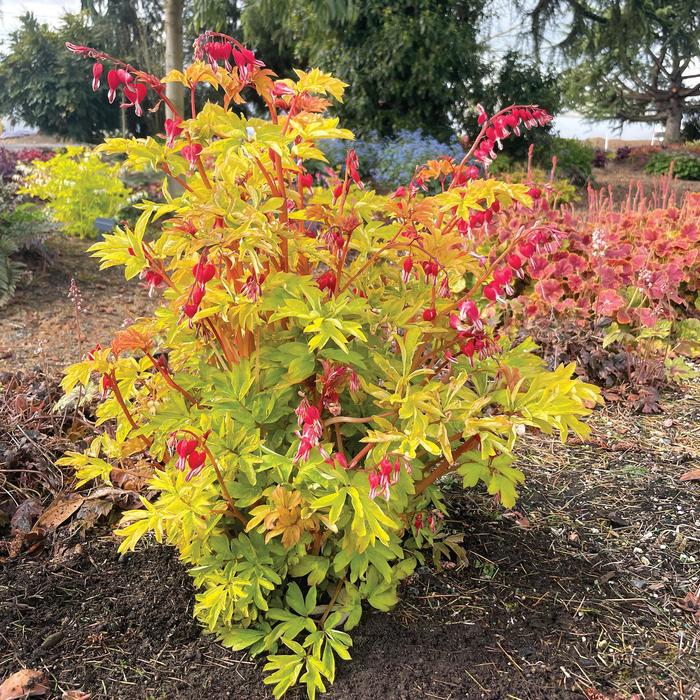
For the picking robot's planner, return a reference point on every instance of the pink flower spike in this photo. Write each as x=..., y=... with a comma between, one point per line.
x=96, y=75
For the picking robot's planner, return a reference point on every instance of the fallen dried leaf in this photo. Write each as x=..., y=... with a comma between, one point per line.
x=691, y=604
x=692, y=475
x=518, y=518
x=92, y=510
x=75, y=695
x=25, y=516
x=131, y=480
x=59, y=511
x=23, y=684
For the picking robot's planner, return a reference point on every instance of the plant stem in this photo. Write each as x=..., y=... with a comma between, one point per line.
x=360, y=455
x=443, y=466
x=352, y=419
x=170, y=381
x=122, y=404
x=334, y=597
x=224, y=490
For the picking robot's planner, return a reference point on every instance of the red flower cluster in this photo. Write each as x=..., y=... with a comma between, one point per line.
x=333, y=380
x=503, y=124
x=218, y=51
x=203, y=272
x=309, y=420
x=188, y=456
x=384, y=478
x=327, y=281
x=352, y=173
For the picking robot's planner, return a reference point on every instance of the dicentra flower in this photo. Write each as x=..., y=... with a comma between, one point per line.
x=96, y=75
x=406, y=268
x=184, y=449
x=135, y=93
x=195, y=462
x=172, y=130
x=246, y=63
x=191, y=152
x=385, y=478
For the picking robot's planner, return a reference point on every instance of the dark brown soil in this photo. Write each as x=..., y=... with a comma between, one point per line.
x=122, y=629
x=560, y=604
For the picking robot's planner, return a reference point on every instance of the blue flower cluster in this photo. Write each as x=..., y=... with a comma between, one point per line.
x=392, y=161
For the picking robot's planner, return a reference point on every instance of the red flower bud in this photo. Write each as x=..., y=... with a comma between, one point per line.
x=535, y=192
x=514, y=261
x=96, y=75
x=429, y=314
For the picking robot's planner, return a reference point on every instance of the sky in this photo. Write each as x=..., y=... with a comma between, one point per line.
x=503, y=34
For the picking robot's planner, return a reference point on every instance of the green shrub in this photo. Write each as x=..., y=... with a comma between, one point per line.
x=685, y=166
x=574, y=159
x=78, y=187
x=21, y=225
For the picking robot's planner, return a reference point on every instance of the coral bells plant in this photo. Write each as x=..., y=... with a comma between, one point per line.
x=322, y=357
x=631, y=268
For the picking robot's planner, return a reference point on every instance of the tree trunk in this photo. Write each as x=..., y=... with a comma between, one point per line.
x=674, y=116
x=174, y=54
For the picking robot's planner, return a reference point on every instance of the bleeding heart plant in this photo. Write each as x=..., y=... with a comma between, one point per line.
x=331, y=353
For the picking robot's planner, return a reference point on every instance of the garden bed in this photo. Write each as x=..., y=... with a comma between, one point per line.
x=581, y=590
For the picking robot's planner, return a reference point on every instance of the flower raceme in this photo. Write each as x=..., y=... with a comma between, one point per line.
x=331, y=354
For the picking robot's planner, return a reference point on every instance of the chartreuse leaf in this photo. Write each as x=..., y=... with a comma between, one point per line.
x=238, y=638
x=284, y=671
